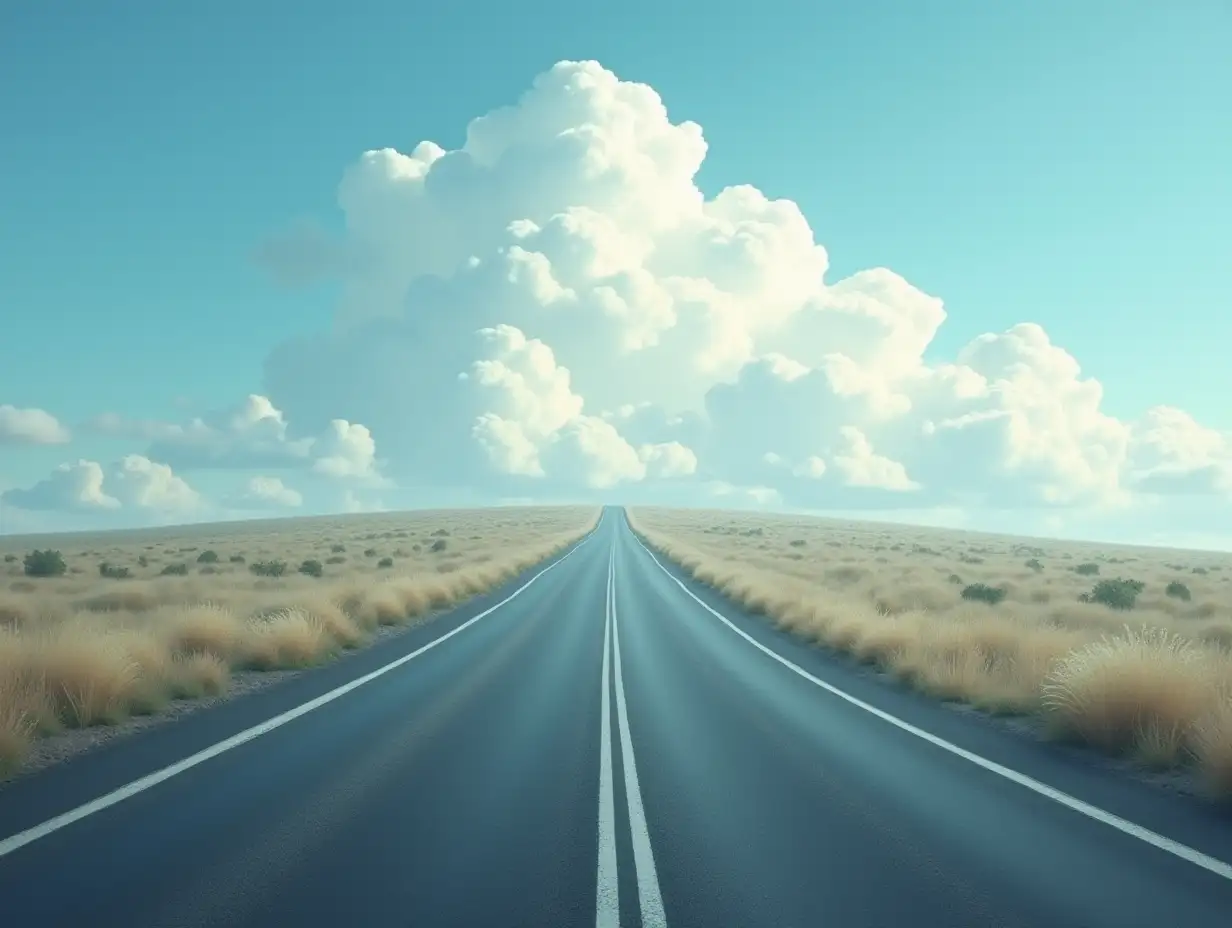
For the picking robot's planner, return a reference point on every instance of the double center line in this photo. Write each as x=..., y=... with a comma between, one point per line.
x=650, y=899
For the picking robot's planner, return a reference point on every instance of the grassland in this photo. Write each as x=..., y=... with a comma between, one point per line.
x=142, y=619
x=1141, y=667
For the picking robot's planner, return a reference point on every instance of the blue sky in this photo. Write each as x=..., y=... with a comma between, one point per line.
x=1053, y=163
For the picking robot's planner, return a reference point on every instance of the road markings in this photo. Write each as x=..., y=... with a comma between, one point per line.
x=649, y=896
x=30, y=835
x=607, y=894
x=1184, y=852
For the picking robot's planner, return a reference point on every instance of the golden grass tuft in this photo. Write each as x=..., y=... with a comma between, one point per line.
x=1141, y=691
x=1212, y=744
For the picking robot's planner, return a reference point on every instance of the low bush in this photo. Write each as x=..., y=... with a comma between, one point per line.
x=1115, y=594
x=1178, y=590
x=45, y=564
x=983, y=593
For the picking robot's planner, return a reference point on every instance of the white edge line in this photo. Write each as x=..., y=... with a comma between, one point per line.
x=30, y=835
x=1184, y=852
x=650, y=897
x=607, y=887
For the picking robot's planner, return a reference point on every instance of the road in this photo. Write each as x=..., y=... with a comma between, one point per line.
x=614, y=745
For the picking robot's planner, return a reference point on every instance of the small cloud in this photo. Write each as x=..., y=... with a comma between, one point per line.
x=262, y=493
x=301, y=254
x=30, y=427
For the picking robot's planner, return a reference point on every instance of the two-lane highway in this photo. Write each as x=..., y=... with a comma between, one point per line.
x=600, y=743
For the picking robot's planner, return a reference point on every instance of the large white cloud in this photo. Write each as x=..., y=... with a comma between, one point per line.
x=133, y=483
x=556, y=305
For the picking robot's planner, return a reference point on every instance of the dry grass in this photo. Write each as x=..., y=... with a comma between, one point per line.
x=81, y=649
x=1153, y=682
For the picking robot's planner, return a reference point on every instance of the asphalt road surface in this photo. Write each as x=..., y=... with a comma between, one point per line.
x=613, y=745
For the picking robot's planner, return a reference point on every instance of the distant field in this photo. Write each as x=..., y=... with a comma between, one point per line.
x=1142, y=668
x=181, y=609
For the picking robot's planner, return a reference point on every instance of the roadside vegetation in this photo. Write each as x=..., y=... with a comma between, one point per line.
x=1125, y=649
x=98, y=628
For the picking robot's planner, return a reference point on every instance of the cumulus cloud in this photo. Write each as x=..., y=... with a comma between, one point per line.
x=556, y=305
x=30, y=427
x=70, y=487
x=253, y=434
x=144, y=484
x=265, y=493
x=1171, y=453
x=134, y=483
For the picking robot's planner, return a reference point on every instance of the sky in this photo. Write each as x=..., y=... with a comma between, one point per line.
x=964, y=266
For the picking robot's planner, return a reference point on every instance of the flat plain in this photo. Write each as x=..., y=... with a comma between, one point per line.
x=140, y=624
x=1126, y=649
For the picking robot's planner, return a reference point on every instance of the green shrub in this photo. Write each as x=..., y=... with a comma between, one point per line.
x=1199, y=570
x=437, y=546
x=440, y=533
x=143, y=561
x=335, y=559
x=1035, y=564
x=207, y=557
x=1086, y=570
x=1178, y=590
x=1115, y=594
x=111, y=572
x=337, y=549
x=370, y=552
x=10, y=558
x=797, y=542
x=175, y=570
x=312, y=568
x=268, y=568
x=236, y=559
x=982, y=592
x=955, y=579
x=385, y=562
x=45, y=564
